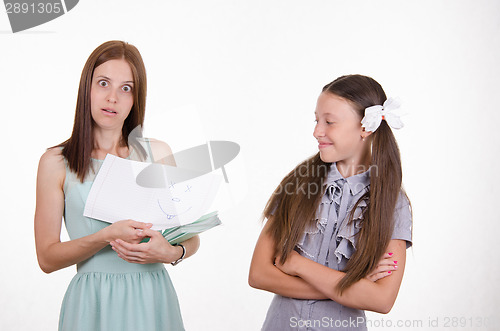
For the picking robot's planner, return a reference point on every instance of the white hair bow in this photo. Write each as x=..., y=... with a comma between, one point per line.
x=388, y=112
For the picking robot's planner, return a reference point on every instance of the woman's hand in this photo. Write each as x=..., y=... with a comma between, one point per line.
x=126, y=230
x=384, y=268
x=290, y=264
x=156, y=250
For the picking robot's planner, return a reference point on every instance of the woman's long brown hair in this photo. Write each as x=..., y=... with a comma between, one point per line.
x=78, y=148
x=293, y=204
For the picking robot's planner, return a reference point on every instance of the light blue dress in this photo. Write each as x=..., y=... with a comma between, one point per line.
x=108, y=293
x=330, y=241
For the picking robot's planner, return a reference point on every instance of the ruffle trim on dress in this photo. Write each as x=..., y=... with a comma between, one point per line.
x=299, y=246
x=330, y=199
x=346, y=236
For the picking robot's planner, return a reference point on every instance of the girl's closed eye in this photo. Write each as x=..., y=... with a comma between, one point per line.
x=327, y=122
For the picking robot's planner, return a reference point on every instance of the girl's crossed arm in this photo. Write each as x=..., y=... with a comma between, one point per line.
x=265, y=275
x=364, y=294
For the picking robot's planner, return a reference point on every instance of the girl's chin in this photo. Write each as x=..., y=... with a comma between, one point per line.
x=327, y=158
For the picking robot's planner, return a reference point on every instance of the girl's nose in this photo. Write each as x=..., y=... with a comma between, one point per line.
x=318, y=131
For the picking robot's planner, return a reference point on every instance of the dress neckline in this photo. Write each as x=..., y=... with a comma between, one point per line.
x=128, y=157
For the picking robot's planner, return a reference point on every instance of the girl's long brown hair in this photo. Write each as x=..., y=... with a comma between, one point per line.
x=293, y=204
x=78, y=148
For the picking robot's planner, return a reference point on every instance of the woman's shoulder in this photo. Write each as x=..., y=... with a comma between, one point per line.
x=51, y=164
x=160, y=145
x=161, y=151
x=52, y=157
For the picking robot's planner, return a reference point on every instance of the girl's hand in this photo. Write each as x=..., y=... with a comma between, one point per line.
x=289, y=267
x=127, y=230
x=156, y=250
x=385, y=267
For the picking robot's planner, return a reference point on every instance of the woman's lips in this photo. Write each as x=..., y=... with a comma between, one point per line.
x=108, y=112
x=323, y=145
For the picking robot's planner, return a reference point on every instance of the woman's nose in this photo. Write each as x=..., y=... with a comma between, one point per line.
x=112, y=95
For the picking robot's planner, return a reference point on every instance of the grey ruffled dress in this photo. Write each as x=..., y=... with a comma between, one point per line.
x=330, y=241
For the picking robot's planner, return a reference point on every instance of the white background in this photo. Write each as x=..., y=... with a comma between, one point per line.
x=250, y=72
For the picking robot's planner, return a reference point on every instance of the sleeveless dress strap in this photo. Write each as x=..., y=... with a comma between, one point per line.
x=65, y=185
x=145, y=143
x=150, y=152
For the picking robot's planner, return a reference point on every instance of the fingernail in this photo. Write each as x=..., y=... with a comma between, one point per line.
x=396, y=262
x=390, y=254
x=395, y=266
x=388, y=272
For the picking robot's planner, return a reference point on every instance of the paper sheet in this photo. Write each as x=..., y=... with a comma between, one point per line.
x=115, y=195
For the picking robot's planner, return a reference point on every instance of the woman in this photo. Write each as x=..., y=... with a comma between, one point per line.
x=120, y=284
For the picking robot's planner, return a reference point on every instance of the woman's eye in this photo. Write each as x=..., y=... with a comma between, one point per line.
x=329, y=122
x=126, y=88
x=102, y=83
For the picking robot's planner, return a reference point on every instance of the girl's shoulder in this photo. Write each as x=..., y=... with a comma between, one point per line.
x=402, y=200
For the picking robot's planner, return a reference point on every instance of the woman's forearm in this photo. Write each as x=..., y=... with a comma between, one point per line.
x=191, y=245
x=59, y=255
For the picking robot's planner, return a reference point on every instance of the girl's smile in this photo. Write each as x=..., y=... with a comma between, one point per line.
x=322, y=144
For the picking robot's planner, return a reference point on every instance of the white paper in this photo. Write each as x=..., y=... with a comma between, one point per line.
x=116, y=196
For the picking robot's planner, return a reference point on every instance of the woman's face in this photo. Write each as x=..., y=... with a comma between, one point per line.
x=338, y=130
x=111, y=96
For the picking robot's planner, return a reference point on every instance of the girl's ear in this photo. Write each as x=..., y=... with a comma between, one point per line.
x=365, y=133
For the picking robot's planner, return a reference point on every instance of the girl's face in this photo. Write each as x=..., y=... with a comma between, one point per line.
x=111, y=96
x=338, y=130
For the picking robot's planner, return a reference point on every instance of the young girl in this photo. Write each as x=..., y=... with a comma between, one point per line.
x=120, y=284
x=331, y=219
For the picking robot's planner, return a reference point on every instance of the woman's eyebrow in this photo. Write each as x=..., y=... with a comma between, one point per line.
x=107, y=78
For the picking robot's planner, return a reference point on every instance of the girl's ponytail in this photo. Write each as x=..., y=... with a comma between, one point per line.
x=378, y=224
